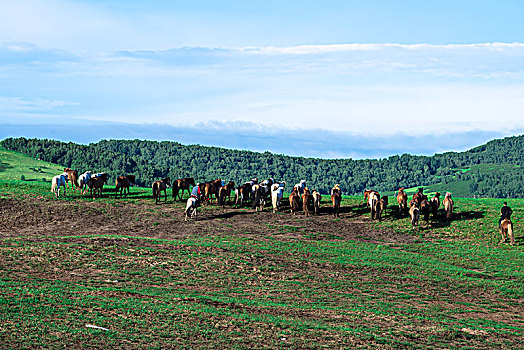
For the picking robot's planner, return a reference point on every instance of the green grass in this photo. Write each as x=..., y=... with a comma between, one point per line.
x=14, y=165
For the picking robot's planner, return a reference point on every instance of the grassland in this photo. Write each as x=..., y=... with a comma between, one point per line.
x=14, y=165
x=239, y=279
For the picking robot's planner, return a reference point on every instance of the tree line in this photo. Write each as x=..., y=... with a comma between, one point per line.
x=151, y=160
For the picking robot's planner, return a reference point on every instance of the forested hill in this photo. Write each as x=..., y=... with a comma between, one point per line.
x=150, y=160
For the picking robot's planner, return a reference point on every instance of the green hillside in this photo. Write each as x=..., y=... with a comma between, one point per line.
x=14, y=165
x=490, y=170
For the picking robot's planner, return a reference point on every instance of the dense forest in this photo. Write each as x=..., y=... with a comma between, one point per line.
x=151, y=160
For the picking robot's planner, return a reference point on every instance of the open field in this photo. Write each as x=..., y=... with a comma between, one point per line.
x=14, y=165
x=239, y=279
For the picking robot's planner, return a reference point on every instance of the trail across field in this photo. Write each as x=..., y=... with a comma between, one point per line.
x=239, y=279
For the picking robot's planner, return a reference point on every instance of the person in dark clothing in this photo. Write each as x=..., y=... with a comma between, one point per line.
x=505, y=212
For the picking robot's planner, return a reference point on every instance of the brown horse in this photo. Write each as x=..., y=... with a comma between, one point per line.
x=425, y=208
x=402, y=199
x=335, y=200
x=417, y=197
x=122, y=184
x=381, y=207
x=95, y=184
x=160, y=185
x=294, y=199
x=367, y=193
x=225, y=191
x=506, y=229
x=72, y=175
x=211, y=188
x=448, y=205
x=435, y=204
x=306, y=196
x=317, y=197
x=242, y=193
x=182, y=185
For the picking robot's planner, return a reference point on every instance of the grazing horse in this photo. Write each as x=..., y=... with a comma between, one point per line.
x=260, y=196
x=425, y=208
x=448, y=205
x=381, y=207
x=414, y=213
x=225, y=191
x=277, y=191
x=73, y=177
x=192, y=204
x=211, y=188
x=335, y=200
x=122, y=184
x=373, y=199
x=506, y=229
x=82, y=180
x=182, y=185
x=306, y=196
x=57, y=182
x=434, y=204
x=294, y=200
x=160, y=185
x=317, y=197
x=95, y=184
x=402, y=199
x=300, y=186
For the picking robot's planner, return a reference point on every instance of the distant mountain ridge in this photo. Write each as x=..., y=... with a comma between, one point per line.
x=502, y=175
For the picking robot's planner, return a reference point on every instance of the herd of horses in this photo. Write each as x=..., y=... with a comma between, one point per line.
x=259, y=193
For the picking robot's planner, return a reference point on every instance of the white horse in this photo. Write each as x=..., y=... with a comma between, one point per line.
x=58, y=180
x=82, y=180
x=317, y=197
x=301, y=186
x=277, y=192
x=191, y=207
x=374, y=197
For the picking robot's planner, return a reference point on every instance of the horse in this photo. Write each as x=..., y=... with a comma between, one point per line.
x=367, y=193
x=95, y=184
x=277, y=191
x=317, y=197
x=448, y=205
x=306, y=196
x=335, y=200
x=417, y=197
x=103, y=176
x=434, y=204
x=506, y=229
x=211, y=188
x=294, y=200
x=402, y=199
x=373, y=199
x=182, y=185
x=191, y=207
x=300, y=186
x=56, y=182
x=82, y=180
x=260, y=195
x=425, y=208
x=241, y=194
x=73, y=177
x=414, y=213
x=225, y=191
x=160, y=185
x=122, y=184
x=381, y=207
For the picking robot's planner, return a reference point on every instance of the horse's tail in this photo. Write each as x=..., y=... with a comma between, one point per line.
x=510, y=233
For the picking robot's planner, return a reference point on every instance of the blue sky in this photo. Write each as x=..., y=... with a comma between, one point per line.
x=259, y=71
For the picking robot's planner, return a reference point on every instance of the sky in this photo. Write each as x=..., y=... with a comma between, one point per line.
x=331, y=79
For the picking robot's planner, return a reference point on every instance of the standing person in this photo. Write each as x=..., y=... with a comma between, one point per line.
x=505, y=212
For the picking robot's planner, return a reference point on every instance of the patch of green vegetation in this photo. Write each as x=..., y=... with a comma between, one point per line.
x=14, y=165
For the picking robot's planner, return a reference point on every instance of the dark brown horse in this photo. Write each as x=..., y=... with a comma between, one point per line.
x=382, y=205
x=417, y=197
x=242, y=194
x=306, y=196
x=435, y=204
x=182, y=185
x=294, y=199
x=160, y=185
x=122, y=184
x=72, y=175
x=225, y=191
x=335, y=200
x=211, y=188
x=425, y=208
x=95, y=184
